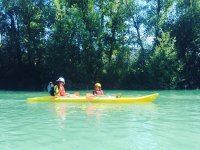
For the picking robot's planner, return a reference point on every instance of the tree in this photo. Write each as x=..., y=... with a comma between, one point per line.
x=164, y=67
x=186, y=31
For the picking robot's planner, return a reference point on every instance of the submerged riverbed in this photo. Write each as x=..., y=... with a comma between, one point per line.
x=171, y=122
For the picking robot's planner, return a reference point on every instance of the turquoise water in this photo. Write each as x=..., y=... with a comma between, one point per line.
x=171, y=122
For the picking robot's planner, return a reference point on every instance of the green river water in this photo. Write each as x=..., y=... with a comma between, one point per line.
x=171, y=122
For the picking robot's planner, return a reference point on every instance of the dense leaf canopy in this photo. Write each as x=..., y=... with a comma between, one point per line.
x=124, y=44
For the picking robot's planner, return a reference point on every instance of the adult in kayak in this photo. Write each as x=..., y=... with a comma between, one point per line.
x=59, y=89
x=97, y=90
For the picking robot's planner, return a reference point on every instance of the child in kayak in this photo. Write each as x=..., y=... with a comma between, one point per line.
x=59, y=89
x=98, y=91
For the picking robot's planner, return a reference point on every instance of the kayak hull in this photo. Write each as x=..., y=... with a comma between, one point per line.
x=103, y=99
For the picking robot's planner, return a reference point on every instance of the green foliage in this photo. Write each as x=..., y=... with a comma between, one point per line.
x=163, y=64
x=187, y=46
x=125, y=44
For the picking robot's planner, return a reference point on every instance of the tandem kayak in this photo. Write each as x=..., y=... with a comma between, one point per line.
x=99, y=99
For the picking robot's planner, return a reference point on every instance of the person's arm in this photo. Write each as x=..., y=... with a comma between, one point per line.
x=102, y=92
x=94, y=93
x=63, y=91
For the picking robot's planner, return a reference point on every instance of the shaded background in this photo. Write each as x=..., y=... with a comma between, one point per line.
x=124, y=44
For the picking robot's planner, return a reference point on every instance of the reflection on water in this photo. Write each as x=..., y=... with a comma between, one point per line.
x=94, y=112
x=60, y=109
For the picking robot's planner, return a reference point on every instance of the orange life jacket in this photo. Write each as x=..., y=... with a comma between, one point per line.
x=62, y=90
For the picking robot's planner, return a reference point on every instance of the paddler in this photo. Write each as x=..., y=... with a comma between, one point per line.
x=59, y=89
x=97, y=90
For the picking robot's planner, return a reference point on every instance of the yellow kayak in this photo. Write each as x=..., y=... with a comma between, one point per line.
x=93, y=99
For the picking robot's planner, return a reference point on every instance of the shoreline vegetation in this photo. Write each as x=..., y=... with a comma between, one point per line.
x=124, y=44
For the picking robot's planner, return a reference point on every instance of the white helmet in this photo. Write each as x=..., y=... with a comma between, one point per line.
x=61, y=79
